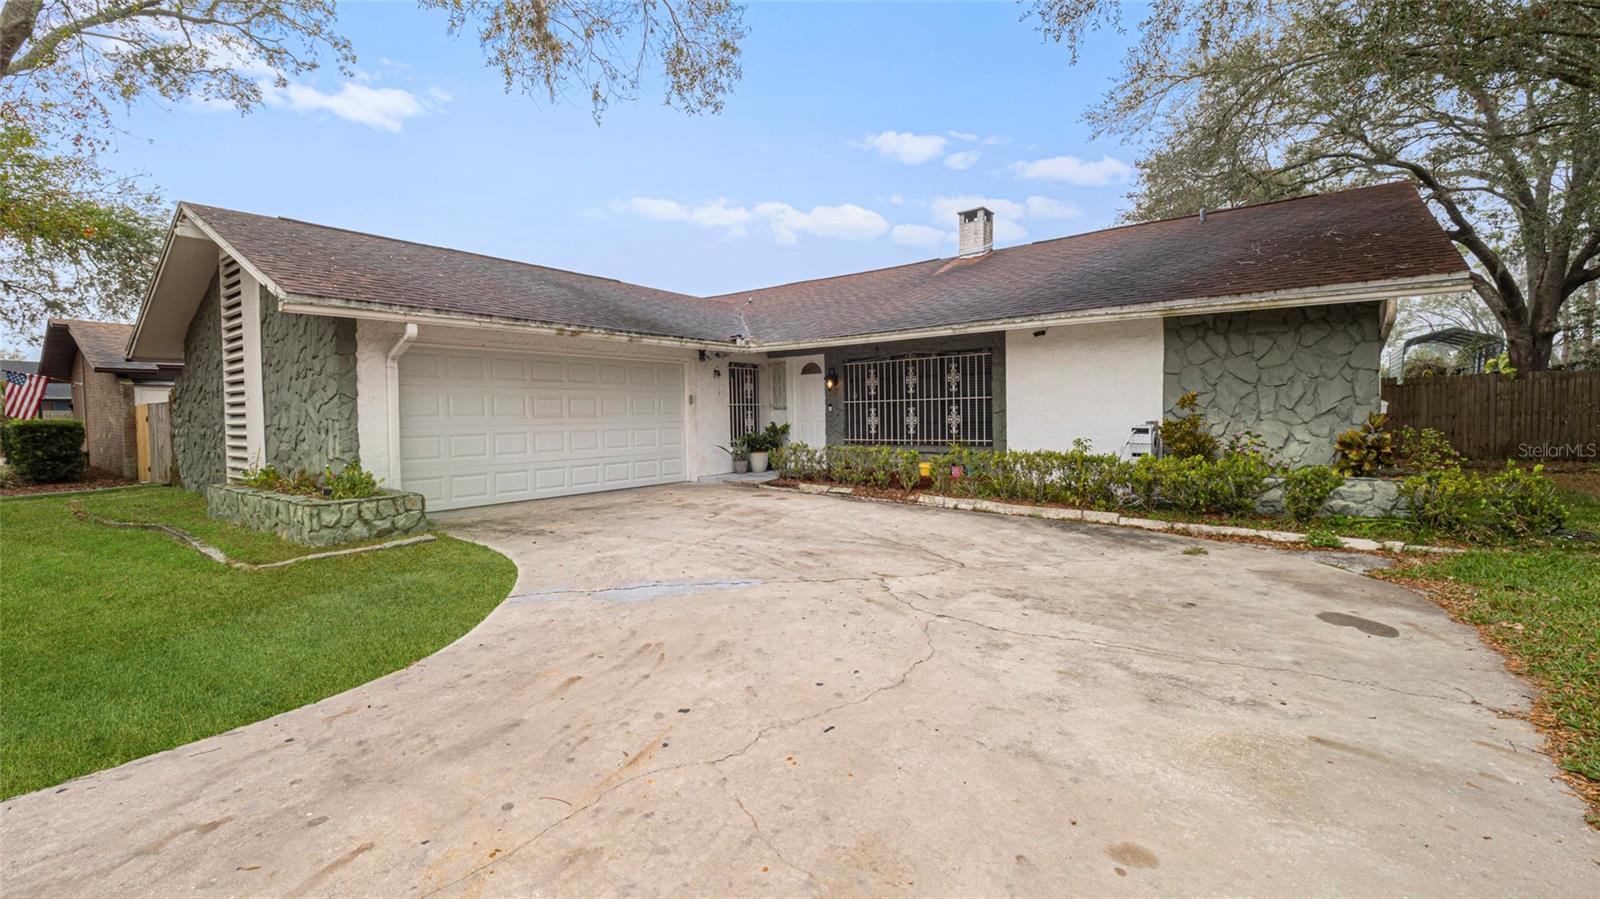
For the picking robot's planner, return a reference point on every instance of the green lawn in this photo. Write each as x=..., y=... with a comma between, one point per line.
x=118, y=643
x=1541, y=604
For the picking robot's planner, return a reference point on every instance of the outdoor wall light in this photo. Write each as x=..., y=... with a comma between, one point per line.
x=831, y=381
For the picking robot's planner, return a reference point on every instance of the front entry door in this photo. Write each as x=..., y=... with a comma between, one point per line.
x=810, y=403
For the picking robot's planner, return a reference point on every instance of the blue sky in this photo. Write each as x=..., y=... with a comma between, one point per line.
x=856, y=132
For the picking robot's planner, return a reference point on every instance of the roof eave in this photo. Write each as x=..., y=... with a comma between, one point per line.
x=1388, y=289
x=333, y=306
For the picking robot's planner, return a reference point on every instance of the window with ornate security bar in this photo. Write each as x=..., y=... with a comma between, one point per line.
x=933, y=400
x=744, y=399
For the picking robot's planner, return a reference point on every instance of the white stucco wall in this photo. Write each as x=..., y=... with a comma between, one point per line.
x=706, y=386
x=1092, y=380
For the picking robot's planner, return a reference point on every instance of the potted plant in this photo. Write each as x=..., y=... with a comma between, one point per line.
x=740, y=453
x=761, y=444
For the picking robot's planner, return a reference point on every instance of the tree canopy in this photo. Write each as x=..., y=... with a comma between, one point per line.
x=77, y=238
x=1488, y=106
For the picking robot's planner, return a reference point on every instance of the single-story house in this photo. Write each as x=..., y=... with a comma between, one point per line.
x=107, y=387
x=477, y=380
x=57, y=402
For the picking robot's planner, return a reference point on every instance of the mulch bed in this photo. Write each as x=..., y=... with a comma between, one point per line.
x=97, y=480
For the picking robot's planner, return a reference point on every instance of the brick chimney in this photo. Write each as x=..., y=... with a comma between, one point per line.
x=977, y=231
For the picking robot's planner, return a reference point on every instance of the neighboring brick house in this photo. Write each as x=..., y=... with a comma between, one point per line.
x=106, y=387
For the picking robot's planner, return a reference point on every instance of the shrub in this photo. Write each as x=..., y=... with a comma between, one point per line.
x=1187, y=436
x=1425, y=450
x=46, y=451
x=870, y=466
x=908, y=469
x=8, y=477
x=1363, y=451
x=799, y=461
x=1515, y=502
x=1523, y=502
x=352, y=482
x=1306, y=490
x=1447, y=499
x=1235, y=481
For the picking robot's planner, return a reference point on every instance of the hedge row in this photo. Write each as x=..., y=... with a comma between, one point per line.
x=1227, y=485
x=1514, y=503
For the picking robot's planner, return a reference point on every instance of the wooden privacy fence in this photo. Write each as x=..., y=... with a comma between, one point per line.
x=1546, y=415
x=153, y=430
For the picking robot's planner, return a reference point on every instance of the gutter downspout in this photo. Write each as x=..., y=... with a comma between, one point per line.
x=391, y=379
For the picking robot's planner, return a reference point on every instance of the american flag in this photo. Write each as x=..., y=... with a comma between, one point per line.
x=24, y=392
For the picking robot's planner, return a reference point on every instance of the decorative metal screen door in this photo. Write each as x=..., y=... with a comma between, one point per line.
x=744, y=399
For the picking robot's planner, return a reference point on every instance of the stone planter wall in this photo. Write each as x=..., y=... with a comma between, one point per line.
x=314, y=521
x=1356, y=498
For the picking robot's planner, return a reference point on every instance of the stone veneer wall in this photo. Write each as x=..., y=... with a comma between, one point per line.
x=1355, y=498
x=835, y=358
x=197, y=399
x=1298, y=377
x=313, y=521
x=308, y=389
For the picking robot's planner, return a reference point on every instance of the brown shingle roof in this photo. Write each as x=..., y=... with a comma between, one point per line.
x=103, y=345
x=317, y=261
x=1349, y=237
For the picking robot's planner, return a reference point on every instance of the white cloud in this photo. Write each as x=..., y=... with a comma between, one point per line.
x=944, y=209
x=967, y=136
x=1007, y=230
x=1008, y=214
x=920, y=236
x=715, y=214
x=845, y=222
x=1072, y=170
x=385, y=108
x=1049, y=208
x=961, y=161
x=906, y=147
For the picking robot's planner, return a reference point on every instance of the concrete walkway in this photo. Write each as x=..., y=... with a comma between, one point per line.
x=717, y=690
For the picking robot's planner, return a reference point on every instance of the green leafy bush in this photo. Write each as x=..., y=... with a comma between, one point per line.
x=1229, y=485
x=1306, y=490
x=799, y=461
x=767, y=439
x=352, y=482
x=1446, y=499
x=46, y=450
x=1515, y=502
x=1425, y=450
x=8, y=477
x=1187, y=436
x=1363, y=451
x=1523, y=502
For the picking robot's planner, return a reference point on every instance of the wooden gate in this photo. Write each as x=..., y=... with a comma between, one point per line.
x=153, y=432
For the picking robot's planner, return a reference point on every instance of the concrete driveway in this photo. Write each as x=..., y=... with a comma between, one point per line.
x=720, y=690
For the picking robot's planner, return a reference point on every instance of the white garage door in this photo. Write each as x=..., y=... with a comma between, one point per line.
x=481, y=426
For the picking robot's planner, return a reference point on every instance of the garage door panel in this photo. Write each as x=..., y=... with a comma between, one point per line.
x=462, y=367
x=479, y=429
